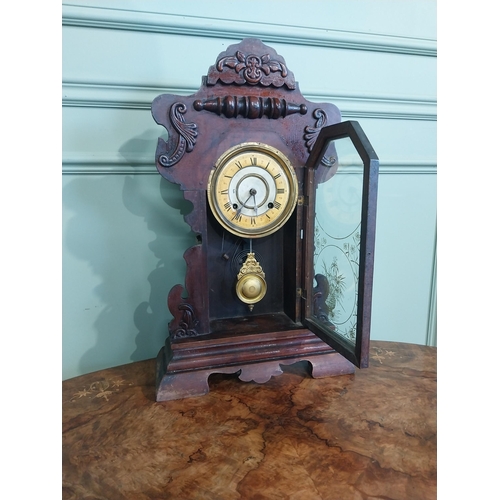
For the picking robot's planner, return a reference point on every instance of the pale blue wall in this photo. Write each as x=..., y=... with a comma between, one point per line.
x=123, y=230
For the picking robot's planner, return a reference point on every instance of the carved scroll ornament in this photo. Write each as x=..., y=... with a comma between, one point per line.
x=320, y=295
x=311, y=134
x=184, y=322
x=187, y=135
x=188, y=323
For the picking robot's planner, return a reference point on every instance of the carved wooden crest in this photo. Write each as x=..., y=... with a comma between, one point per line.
x=255, y=65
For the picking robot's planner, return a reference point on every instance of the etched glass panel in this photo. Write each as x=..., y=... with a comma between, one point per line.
x=337, y=238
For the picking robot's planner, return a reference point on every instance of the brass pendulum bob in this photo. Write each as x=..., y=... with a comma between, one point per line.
x=251, y=285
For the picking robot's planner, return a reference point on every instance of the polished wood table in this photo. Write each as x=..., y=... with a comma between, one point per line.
x=371, y=435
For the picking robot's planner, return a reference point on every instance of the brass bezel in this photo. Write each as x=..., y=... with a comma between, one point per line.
x=285, y=167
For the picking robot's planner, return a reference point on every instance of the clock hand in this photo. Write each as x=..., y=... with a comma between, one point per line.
x=241, y=207
x=253, y=192
x=255, y=204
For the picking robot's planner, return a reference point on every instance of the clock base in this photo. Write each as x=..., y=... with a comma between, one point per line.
x=183, y=368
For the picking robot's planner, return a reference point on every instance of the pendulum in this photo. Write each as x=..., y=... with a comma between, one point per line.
x=251, y=285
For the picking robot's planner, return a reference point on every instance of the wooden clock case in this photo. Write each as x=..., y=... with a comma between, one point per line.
x=248, y=95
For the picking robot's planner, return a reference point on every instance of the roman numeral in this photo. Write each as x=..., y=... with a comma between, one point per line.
x=238, y=164
x=226, y=191
x=237, y=217
x=252, y=221
x=227, y=206
x=276, y=176
x=277, y=205
x=253, y=161
x=281, y=191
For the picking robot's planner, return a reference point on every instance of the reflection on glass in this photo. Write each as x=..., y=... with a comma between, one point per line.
x=337, y=238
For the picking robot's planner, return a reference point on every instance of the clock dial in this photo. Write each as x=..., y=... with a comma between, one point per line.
x=252, y=190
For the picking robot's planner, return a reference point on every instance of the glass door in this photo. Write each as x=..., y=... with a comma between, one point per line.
x=341, y=195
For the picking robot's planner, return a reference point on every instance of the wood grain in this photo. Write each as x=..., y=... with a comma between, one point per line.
x=371, y=435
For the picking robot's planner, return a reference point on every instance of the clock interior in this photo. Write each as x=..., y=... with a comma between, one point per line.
x=277, y=253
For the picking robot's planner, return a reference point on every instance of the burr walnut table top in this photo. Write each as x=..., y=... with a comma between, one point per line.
x=371, y=435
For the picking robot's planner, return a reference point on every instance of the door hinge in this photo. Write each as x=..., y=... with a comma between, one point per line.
x=301, y=293
x=302, y=201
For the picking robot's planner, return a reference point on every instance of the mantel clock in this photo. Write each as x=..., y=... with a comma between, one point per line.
x=284, y=205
